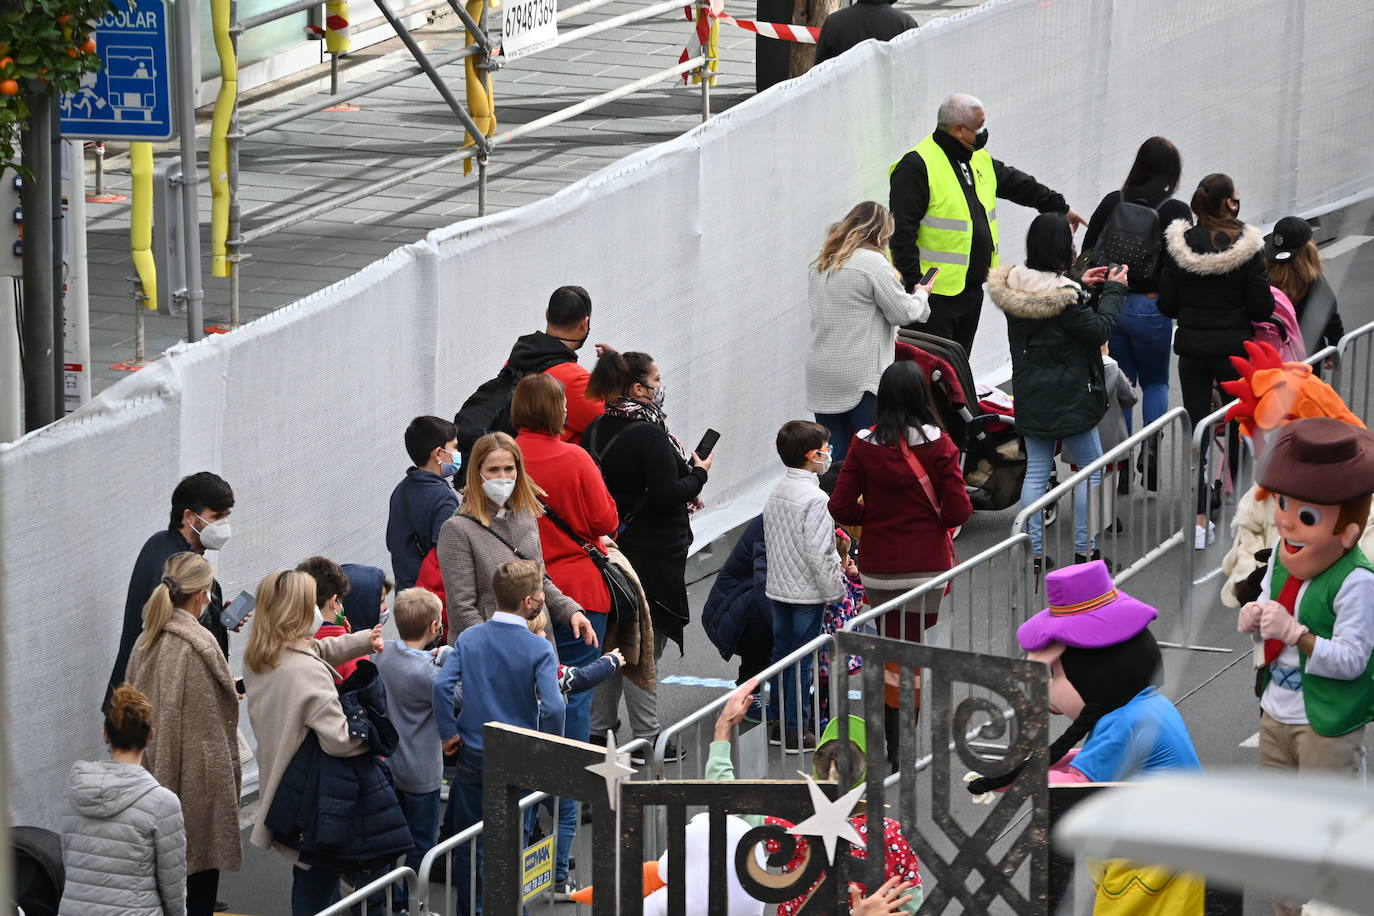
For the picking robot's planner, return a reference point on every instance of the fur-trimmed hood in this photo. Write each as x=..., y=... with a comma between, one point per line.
x=1179, y=238
x=1034, y=294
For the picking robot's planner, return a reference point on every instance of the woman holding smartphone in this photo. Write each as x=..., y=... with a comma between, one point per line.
x=656, y=485
x=857, y=303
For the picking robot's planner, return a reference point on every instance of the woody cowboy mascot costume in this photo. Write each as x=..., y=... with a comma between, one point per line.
x=1315, y=613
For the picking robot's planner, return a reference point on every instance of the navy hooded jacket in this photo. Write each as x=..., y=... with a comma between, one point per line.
x=738, y=593
x=420, y=505
x=342, y=813
x=363, y=603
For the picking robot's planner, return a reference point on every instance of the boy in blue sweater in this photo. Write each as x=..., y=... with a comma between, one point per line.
x=422, y=502
x=509, y=675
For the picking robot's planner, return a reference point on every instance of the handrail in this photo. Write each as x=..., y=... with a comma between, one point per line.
x=360, y=895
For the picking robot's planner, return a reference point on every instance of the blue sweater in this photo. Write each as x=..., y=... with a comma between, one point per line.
x=509, y=675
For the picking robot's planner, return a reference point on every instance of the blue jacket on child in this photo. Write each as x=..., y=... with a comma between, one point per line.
x=342, y=813
x=738, y=593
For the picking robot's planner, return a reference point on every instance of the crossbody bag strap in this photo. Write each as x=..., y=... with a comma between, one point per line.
x=496, y=534
x=643, y=500
x=405, y=501
x=920, y=471
x=564, y=527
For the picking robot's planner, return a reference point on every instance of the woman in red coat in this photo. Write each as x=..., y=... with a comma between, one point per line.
x=577, y=495
x=905, y=539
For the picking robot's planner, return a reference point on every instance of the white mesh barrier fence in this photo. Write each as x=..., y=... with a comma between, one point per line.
x=695, y=251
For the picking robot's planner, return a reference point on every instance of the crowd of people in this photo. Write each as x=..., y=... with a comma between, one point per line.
x=539, y=561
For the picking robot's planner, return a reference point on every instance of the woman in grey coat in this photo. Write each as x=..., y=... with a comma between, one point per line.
x=123, y=845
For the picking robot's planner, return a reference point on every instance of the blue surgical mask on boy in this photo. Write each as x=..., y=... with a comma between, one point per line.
x=450, y=469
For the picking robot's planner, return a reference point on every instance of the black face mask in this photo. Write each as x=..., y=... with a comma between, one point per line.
x=980, y=138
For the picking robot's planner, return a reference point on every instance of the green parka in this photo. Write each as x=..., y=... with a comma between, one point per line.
x=1056, y=335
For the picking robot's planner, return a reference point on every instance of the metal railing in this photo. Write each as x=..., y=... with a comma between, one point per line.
x=399, y=877
x=479, y=47
x=1150, y=529
x=1354, y=378
x=470, y=836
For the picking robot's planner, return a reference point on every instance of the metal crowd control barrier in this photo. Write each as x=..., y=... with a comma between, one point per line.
x=1222, y=466
x=1354, y=379
x=480, y=46
x=400, y=877
x=444, y=850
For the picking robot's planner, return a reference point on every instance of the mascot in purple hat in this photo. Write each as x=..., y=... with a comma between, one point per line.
x=1105, y=671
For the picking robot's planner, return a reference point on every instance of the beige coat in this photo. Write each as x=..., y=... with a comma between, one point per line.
x=194, y=748
x=286, y=702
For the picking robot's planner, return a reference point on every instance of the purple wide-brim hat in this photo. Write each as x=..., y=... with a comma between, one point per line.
x=1086, y=611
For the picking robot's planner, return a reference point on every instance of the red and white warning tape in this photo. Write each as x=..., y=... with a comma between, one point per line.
x=803, y=34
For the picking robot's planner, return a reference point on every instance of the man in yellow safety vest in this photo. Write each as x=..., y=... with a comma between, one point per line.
x=943, y=197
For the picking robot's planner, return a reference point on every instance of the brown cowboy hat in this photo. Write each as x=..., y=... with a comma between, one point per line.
x=1319, y=460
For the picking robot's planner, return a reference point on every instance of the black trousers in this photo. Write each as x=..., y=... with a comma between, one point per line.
x=955, y=317
x=201, y=890
x=1198, y=377
x=755, y=649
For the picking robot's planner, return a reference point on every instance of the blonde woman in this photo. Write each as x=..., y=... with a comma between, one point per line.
x=194, y=752
x=857, y=303
x=497, y=521
x=289, y=684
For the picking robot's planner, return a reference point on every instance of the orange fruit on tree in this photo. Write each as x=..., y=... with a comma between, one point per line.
x=89, y=46
x=72, y=52
x=5, y=62
x=9, y=87
x=64, y=19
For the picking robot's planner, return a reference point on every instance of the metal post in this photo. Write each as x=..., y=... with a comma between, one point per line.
x=703, y=10
x=99, y=168
x=40, y=406
x=333, y=74
x=481, y=185
x=56, y=156
x=233, y=244
x=140, y=356
x=186, y=81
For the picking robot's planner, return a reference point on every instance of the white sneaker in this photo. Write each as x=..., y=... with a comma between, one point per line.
x=1204, y=536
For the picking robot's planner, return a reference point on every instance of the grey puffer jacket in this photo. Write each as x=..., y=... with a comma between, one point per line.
x=123, y=844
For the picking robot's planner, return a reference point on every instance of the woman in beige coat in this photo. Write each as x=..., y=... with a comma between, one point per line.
x=194, y=747
x=289, y=684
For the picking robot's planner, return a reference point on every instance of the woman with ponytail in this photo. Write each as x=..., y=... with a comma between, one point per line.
x=857, y=303
x=1105, y=672
x=1215, y=286
x=656, y=485
x=177, y=663
x=123, y=847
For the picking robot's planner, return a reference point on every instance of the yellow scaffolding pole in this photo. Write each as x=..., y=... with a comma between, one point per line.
x=225, y=102
x=481, y=100
x=141, y=220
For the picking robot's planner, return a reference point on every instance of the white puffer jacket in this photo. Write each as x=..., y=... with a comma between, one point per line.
x=803, y=565
x=123, y=843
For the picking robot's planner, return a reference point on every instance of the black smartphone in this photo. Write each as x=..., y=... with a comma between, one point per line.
x=928, y=276
x=232, y=617
x=707, y=444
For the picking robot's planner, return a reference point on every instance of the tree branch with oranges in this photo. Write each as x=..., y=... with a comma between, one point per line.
x=45, y=47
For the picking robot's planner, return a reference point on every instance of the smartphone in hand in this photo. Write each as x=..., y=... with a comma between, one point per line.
x=707, y=444
x=233, y=616
x=927, y=277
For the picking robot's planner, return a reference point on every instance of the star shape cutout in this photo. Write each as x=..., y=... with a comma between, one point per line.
x=830, y=822
x=615, y=769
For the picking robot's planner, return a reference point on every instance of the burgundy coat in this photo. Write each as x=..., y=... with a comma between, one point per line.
x=902, y=534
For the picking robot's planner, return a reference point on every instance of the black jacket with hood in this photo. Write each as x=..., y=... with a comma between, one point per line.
x=866, y=19
x=539, y=352
x=1056, y=338
x=1214, y=292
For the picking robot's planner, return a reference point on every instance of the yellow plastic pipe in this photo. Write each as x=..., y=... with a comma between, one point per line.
x=481, y=100
x=219, y=145
x=336, y=40
x=141, y=220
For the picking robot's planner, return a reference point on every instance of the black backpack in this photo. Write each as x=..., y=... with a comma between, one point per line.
x=1132, y=237
x=487, y=410
x=39, y=876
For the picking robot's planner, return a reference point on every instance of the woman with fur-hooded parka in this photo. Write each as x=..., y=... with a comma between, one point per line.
x=1215, y=293
x=1056, y=338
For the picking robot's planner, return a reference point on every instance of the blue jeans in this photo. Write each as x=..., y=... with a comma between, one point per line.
x=312, y=890
x=794, y=625
x=464, y=810
x=422, y=816
x=573, y=652
x=1086, y=448
x=1140, y=343
x=843, y=426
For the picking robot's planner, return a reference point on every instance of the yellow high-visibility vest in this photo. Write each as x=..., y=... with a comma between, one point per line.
x=945, y=236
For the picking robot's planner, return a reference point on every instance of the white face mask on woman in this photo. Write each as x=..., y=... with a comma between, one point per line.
x=319, y=622
x=499, y=489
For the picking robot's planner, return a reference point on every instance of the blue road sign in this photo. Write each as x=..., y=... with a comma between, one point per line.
x=130, y=97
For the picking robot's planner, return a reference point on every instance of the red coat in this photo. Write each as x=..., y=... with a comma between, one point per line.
x=901, y=532
x=582, y=410
x=578, y=494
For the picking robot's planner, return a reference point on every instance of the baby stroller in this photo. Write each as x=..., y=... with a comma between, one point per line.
x=39, y=876
x=980, y=419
